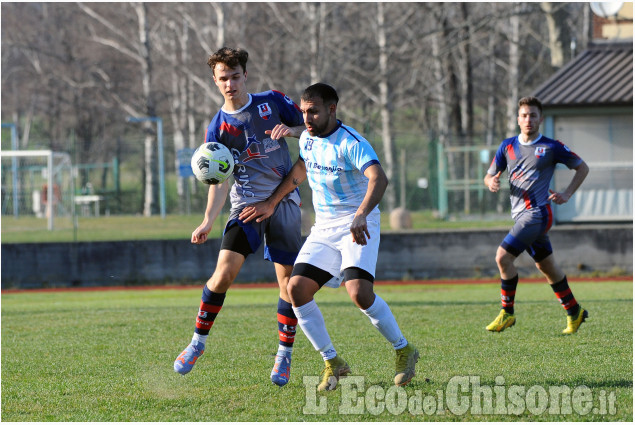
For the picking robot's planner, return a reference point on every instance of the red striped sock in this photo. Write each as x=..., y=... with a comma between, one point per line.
x=508, y=293
x=287, y=323
x=565, y=296
x=211, y=303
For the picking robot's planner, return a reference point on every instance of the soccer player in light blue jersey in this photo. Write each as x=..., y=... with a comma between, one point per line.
x=347, y=183
x=253, y=127
x=530, y=160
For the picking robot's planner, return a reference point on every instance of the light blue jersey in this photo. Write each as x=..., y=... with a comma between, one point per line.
x=335, y=166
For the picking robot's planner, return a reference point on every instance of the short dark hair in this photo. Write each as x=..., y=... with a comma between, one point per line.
x=530, y=101
x=321, y=90
x=230, y=57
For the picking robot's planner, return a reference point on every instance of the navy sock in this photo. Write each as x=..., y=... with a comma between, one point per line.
x=508, y=293
x=287, y=323
x=565, y=296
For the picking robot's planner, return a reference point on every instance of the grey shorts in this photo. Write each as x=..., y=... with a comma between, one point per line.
x=529, y=233
x=281, y=234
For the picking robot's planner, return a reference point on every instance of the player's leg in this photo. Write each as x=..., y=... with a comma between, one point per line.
x=360, y=288
x=576, y=315
x=305, y=281
x=359, y=263
x=318, y=261
x=228, y=266
x=287, y=323
x=235, y=247
x=509, y=282
x=524, y=231
x=283, y=241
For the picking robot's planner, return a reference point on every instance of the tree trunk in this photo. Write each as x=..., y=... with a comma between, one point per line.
x=559, y=39
x=491, y=96
x=513, y=72
x=151, y=183
x=385, y=107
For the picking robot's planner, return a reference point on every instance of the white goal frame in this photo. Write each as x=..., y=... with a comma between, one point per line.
x=52, y=170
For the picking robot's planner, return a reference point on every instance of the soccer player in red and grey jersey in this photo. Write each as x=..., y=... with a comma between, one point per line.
x=253, y=127
x=530, y=160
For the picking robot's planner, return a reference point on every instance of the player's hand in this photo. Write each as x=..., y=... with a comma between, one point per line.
x=558, y=198
x=199, y=235
x=495, y=183
x=259, y=211
x=279, y=131
x=359, y=230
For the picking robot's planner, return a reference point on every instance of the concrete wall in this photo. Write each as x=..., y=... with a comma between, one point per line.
x=405, y=255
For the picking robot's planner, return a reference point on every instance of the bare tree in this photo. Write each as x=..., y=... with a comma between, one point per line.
x=559, y=37
x=513, y=71
x=137, y=47
x=385, y=105
x=406, y=73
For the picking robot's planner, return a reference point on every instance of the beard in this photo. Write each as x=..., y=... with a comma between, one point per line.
x=317, y=129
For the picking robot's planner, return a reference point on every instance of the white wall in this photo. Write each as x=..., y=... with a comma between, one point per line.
x=605, y=142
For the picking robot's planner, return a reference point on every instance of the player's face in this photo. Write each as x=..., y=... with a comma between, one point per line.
x=318, y=118
x=529, y=120
x=230, y=82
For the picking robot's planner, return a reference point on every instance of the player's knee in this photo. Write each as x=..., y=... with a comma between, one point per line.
x=500, y=258
x=541, y=268
x=301, y=290
x=504, y=259
x=220, y=281
x=362, y=299
x=354, y=292
x=294, y=291
x=361, y=293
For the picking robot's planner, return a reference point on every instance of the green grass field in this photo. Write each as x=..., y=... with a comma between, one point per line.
x=107, y=356
x=129, y=227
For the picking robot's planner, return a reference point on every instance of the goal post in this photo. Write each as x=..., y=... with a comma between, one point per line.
x=38, y=183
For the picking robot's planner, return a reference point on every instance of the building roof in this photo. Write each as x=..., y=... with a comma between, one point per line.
x=602, y=75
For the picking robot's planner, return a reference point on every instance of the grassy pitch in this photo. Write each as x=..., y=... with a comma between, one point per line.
x=107, y=356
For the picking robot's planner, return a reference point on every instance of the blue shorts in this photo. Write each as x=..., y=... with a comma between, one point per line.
x=529, y=233
x=281, y=233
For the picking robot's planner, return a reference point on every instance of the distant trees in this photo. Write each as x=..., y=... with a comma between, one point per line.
x=447, y=72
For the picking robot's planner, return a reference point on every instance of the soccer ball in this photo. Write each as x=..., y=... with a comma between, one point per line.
x=212, y=163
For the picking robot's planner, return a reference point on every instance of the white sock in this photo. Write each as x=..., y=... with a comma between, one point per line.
x=382, y=318
x=199, y=338
x=285, y=349
x=312, y=324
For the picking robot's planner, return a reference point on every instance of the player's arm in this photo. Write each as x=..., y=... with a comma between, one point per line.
x=493, y=181
x=216, y=196
x=581, y=171
x=263, y=210
x=283, y=130
x=291, y=120
x=377, y=183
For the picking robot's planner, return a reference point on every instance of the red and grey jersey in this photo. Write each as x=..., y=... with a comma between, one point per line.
x=260, y=162
x=530, y=167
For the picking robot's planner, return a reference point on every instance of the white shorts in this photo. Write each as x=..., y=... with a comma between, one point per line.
x=333, y=250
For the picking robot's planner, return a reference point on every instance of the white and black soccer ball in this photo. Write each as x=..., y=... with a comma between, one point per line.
x=212, y=163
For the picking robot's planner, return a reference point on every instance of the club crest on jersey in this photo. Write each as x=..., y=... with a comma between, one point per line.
x=264, y=110
x=540, y=151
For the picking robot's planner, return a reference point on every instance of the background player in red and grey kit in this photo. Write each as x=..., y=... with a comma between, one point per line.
x=253, y=127
x=530, y=160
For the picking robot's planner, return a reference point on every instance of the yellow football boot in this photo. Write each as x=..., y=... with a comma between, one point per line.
x=574, y=323
x=503, y=321
x=334, y=368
